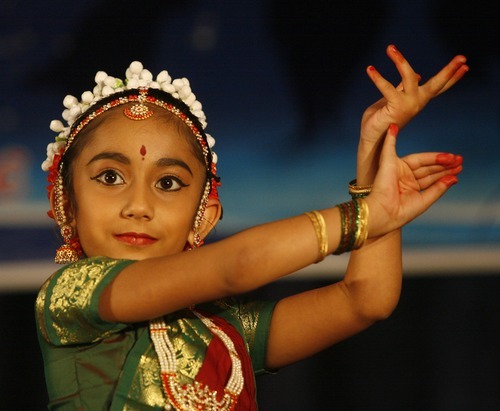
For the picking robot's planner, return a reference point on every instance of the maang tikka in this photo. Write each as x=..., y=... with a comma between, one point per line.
x=139, y=111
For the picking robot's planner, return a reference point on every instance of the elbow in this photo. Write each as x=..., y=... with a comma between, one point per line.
x=383, y=310
x=379, y=309
x=373, y=305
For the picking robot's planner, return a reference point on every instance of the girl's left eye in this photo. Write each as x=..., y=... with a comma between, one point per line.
x=170, y=183
x=109, y=178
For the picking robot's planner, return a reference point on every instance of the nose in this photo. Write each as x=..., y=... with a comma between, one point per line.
x=138, y=203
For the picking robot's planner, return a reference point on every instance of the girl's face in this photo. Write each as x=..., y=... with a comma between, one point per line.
x=137, y=187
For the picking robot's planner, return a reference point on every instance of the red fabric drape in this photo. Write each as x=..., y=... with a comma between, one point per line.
x=216, y=367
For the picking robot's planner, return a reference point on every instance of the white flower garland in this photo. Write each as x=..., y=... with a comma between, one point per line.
x=136, y=77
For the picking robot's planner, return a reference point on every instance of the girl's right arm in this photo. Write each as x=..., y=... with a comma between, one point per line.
x=260, y=255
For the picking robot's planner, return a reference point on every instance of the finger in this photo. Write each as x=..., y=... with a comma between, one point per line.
x=422, y=172
x=427, y=177
x=389, y=147
x=408, y=76
x=385, y=87
x=447, y=77
x=447, y=160
x=385, y=187
x=456, y=76
x=438, y=189
x=387, y=175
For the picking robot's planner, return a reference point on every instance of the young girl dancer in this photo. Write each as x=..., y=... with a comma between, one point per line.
x=143, y=318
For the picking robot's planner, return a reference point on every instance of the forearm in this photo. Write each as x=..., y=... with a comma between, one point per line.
x=368, y=156
x=240, y=263
x=368, y=293
x=374, y=274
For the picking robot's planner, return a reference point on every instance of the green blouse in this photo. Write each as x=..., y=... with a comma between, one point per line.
x=91, y=364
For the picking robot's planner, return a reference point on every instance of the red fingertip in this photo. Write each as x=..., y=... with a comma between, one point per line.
x=392, y=48
x=448, y=159
x=458, y=160
x=445, y=158
x=394, y=129
x=449, y=180
x=371, y=68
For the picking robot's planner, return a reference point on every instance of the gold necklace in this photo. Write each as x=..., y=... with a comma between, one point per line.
x=197, y=396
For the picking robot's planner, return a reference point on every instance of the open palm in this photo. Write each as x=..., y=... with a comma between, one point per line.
x=406, y=187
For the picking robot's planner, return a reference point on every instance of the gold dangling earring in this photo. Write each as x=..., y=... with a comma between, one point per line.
x=198, y=242
x=200, y=214
x=70, y=251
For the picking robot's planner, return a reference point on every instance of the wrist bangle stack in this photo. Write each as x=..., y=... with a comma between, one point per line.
x=320, y=228
x=354, y=225
x=359, y=191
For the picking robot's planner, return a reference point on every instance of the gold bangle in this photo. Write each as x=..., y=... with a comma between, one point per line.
x=354, y=225
x=359, y=191
x=321, y=234
x=361, y=222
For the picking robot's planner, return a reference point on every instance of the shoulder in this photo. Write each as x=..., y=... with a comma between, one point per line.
x=69, y=297
x=75, y=282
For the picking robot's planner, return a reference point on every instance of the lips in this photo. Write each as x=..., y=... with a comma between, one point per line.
x=136, y=239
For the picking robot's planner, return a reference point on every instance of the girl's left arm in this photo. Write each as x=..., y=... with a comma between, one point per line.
x=312, y=321
x=306, y=323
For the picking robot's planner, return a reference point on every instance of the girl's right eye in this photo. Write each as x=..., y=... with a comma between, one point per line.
x=109, y=178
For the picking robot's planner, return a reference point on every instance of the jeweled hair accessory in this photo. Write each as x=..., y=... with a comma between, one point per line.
x=136, y=77
x=143, y=91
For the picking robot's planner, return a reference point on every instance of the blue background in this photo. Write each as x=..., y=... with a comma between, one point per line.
x=283, y=84
x=286, y=119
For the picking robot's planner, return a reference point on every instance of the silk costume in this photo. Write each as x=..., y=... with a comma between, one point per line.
x=91, y=364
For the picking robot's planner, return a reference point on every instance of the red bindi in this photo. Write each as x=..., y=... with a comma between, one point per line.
x=143, y=151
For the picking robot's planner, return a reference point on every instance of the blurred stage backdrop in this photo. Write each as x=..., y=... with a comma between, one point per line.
x=283, y=84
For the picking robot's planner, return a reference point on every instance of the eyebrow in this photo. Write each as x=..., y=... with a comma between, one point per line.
x=162, y=162
x=167, y=161
x=110, y=155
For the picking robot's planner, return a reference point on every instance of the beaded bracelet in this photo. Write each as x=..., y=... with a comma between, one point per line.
x=320, y=228
x=354, y=225
x=359, y=191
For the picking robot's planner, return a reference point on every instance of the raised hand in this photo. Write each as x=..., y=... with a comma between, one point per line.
x=401, y=103
x=398, y=105
x=404, y=188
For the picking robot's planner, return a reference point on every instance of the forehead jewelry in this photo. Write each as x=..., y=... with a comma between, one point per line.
x=139, y=88
x=139, y=111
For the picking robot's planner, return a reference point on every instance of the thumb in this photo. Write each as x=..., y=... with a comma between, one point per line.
x=387, y=173
x=389, y=147
x=383, y=199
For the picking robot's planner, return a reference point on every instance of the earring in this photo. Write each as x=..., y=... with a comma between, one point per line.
x=197, y=242
x=71, y=250
x=200, y=215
